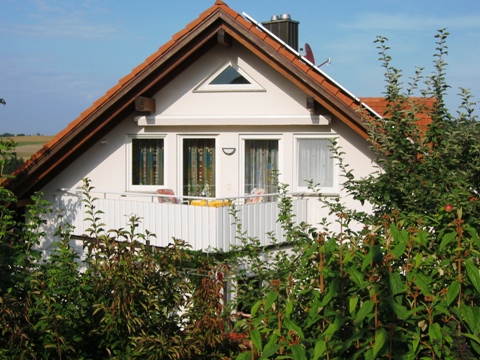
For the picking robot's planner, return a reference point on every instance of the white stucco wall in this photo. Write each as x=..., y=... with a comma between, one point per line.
x=229, y=118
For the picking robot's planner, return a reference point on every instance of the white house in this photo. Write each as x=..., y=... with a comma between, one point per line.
x=210, y=115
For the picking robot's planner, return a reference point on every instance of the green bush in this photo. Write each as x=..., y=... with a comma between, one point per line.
x=387, y=292
x=125, y=300
x=422, y=170
x=406, y=286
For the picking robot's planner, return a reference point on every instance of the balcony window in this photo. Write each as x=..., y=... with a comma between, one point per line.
x=315, y=163
x=199, y=167
x=261, y=160
x=147, y=162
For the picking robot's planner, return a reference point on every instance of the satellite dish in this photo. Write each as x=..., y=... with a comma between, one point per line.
x=309, y=54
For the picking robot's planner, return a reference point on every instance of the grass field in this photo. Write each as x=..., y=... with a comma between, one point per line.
x=29, y=145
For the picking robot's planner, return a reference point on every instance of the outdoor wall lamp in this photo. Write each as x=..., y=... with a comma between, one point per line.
x=228, y=151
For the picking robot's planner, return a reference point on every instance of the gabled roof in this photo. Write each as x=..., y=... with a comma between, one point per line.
x=162, y=67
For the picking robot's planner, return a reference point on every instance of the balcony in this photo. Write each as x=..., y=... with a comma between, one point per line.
x=204, y=223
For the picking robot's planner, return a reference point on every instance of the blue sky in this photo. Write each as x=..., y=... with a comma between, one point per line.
x=57, y=56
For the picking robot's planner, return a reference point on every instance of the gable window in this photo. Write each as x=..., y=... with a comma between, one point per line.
x=146, y=162
x=261, y=161
x=315, y=163
x=228, y=77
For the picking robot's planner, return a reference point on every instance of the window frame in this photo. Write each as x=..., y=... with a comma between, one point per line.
x=206, y=86
x=129, y=161
x=179, y=143
x=243, y=138
x=324, y=190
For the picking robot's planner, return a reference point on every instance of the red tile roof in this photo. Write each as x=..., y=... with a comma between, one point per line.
x=161, y=67
x=379, y=105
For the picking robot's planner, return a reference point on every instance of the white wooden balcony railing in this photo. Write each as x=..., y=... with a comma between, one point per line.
x=202, y=227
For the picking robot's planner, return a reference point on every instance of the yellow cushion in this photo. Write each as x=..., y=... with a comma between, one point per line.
x=218, y=203
x=198, y=202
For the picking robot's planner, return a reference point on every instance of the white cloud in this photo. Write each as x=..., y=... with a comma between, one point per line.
x=79, y=20
x=67, y=28
x=379, y=21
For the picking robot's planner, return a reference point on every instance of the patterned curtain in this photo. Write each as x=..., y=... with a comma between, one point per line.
x=147, y=162
x=261, y=159
x=199, y=167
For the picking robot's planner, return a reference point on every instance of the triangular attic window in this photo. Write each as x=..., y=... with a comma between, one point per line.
x=228, y=77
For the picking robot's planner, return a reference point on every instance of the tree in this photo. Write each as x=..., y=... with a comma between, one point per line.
x=9, y=162
x=407, y=285
x=421, y=170
x=131, y=300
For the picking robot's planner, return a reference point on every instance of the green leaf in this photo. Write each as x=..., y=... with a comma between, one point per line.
x=288, y=309
x=475, y=347
x=435, y=336
x=380, y=339
x=313, y=312
x=473, y=274
x=452, y=292
x=470, y=314
x=320, y=349
x=418, y=259
x=397, y=286
x=311, y=250
x=270, y=299
x=401, y=237
x=447, y=239
x=352, y=304
x=422, y=281
x=271, y=347
x=244, y=356
x=298, y=352
x=374, y=255
x=473, y=337
x=399, y=249
x=473, y=234
x=366, y=309
x=332, y=292
x=255, y=307
x=334, y=327
x=399, y=309
x=357, y=277
x=357, y=335
x=292, y=326
x=256, y=339
x=369, y=355
x=422, y=237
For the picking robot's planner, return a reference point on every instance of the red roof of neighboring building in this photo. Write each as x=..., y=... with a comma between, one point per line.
x=161, y=67
x=379, y=105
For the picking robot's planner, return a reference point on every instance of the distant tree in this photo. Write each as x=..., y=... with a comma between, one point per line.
x=7, y=134
x=7, y=156
x=13, y=164
x=21, y=134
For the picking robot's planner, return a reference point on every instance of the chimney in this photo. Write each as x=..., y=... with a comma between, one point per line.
x=285, y=28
